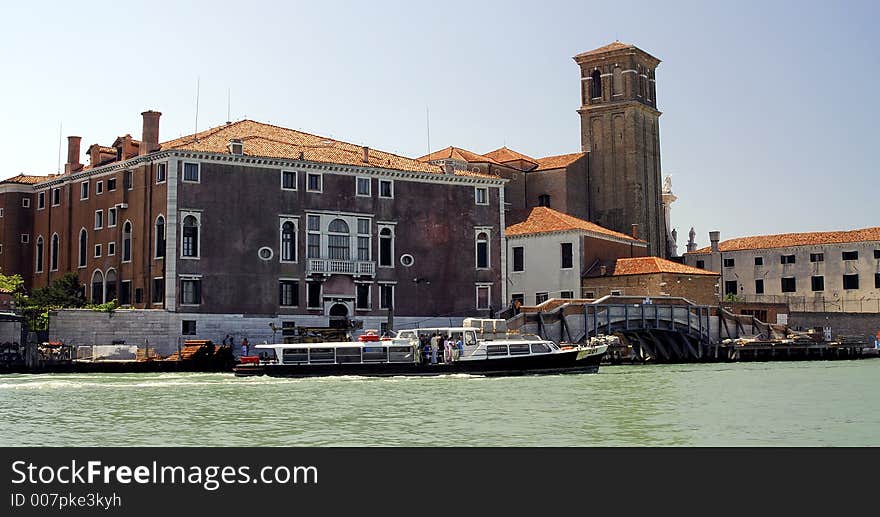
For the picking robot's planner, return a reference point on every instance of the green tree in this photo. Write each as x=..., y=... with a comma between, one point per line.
x=11, y=283
x=66, y=292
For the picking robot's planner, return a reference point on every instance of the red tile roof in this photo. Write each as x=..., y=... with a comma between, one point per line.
x=615, y=45
x=648, y=265
x=558, y=162
x=270, y=141
x=457, y=153
x=787, y=240
x=504, y=155
x=26, y=179
x=545, y=220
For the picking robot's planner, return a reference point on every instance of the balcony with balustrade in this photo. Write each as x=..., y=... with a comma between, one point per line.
x=340, y=267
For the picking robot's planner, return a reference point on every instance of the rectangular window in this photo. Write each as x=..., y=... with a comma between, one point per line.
x=483, y=297
x=288, y=180
x=386, y=188
x=877, y=254
x=111, y=248
x=482, y=250
x=84, y=190
x=188, y=327
x=99, y=219
x=25, y=238
x=616, y=292
x=541, y=298
x=363, y=240
x=386, y=296
x=288, y=293
x=789, y=285
x=25, y=202
x=817, y=283
x=111, y=217
x=729, y=262
x=191, y=172
x=518, y=259
x=56, y=196
x=816, y=257
x=97, y=250
x=139, y=295
x=313, y=239
x=128, y=180
x=125, y=292
x=1, y=212
x=386, y=246
x=190, y=291
x=111, y=184
x=481, y=195
x=161, y=172
x=362, y=296
x=876, y=280
x=701, y=264
x=567, y=295
x=787, y=259
x=730, y=287
x=759, y=286
x=759, y=261
x=158, y=290
x=851, y=281
x=313, y=182
x=362, y=186
x=567, y=260
x=544, y=200
x=99, y=187
x=850, y=255
x=314, y=295
x=41, y=201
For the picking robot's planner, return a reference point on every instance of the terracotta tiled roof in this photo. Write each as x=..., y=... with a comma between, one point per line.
x=558, y=162
x=615, y=45
x=787, y=240
x=26, y=179
x=545, y=220
x=270, y=141
x=504, y=155
x=646, y=265
x=457, y=153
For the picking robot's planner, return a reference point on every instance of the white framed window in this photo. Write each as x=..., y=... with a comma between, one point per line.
x=111, y=249
x=190, y=290
x=111, y=184
x=161, y=172
x=362, y=296
x=99, y=187
x=567, y=295
x=363, y=186
x=482, y=249
x=128, y=180
x=339, y=240
x=111, y=217
x=160, y=237
x=313, y=244
x=288, y=232
x=364, y=244
x=53, y=253
x=386, y=189
x=484, y=296
x=25, y=238
x=84, y=190
x=41, y=200
x=541, y=298
x=56, y=196
x=192, y=172
x=98, y=250
x=190, y=229
x=39, y=253
x=314, y=182
x=99, y=219
x=481, y=195
x=386, y=296
x=386, y=245
x=25, y=202
x=288, y=180
x=126, y=242
x=83, y=247
x=616, y=292
x=288, y=292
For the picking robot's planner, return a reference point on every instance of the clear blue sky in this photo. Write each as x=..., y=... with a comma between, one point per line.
x=770, y=108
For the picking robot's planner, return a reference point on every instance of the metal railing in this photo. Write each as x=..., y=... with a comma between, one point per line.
x=340, y=267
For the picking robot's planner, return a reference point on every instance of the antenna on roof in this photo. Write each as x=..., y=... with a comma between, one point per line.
x=60, y=125
x=196, y=132
x=428, y=125
x=228, y=104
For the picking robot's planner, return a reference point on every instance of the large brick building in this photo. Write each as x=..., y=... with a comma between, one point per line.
x=253, y=219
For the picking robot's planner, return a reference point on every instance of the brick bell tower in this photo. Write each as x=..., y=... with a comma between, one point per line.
x=620, y=129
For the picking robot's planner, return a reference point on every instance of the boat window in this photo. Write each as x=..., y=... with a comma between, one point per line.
x=375, y=353
x=495, y=350
x=540, y=348
x=349, y=354
x=553, y=346
x=521, y=349
x=470, y=338
x=400, y=354
x=322, y=355
x=295, y=355
x=407, y=334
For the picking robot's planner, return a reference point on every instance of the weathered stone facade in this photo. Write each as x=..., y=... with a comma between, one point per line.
x=699, y=289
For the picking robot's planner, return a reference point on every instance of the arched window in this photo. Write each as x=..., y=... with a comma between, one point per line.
x=617, y=81
x=596, y=86
x=53, y=253
x=339, y=241
x=642, y=82
x=386, y=247
x=110, y=288
x=288, y=241
x=97, y=287
x=190, y=236
x=482, y=250
x=160, y=237
x=126, y=241
x=39, y=253
x=83, y=247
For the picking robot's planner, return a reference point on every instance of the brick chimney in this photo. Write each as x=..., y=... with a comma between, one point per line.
x=366, y=158
x=448, y=168
x=635, y=231
x=603, y=270
x=150, y=138
x=73, y=164
x=714, y=237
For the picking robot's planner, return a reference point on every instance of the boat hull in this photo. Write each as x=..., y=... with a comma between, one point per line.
x=566, y=362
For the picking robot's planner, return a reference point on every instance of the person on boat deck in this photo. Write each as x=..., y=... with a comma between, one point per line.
x=244, y=346
x=447, y=350
x=459, y=345
x=435, y=344
x=425, y=345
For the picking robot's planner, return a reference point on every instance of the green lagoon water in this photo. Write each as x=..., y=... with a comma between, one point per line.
x=833, y=403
